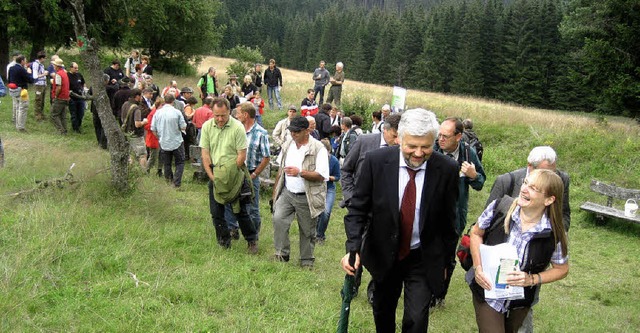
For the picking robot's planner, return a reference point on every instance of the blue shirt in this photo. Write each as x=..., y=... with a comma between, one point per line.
x=168, y=122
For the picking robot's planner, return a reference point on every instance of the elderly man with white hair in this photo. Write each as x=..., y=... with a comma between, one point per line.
x=335, y=91
x=409, y=215
x=541, y=157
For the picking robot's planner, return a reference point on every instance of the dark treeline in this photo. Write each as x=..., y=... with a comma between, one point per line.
x=572, y=55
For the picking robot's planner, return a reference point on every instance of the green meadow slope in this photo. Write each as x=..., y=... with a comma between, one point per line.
x=82, y=258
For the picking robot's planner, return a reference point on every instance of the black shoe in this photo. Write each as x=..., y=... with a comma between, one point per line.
x=281, y=258
x=226, y=244
x=234, y=233
x=159, y=173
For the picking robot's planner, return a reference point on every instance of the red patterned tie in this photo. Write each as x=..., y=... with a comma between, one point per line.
x=407, y=214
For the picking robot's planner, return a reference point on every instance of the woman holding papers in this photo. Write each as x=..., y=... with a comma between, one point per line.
x=533, y=226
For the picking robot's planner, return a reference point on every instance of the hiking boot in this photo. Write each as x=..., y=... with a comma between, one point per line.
x=252, y=248
x=226, y=244
x=234, y=233
x=281, y=258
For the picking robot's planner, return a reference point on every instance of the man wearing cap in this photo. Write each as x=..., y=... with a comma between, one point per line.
x=60, y=95
x=185, y=93
x=280, y=133
x=40, y=75
x=300, y=190
x=224, y=150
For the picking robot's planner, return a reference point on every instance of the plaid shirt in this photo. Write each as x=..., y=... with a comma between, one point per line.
x=521, y=241
x=258, y=149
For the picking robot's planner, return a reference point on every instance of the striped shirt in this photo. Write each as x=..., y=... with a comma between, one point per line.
x=258, y=139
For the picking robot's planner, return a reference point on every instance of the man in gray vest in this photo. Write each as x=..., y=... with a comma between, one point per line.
x=300, y=190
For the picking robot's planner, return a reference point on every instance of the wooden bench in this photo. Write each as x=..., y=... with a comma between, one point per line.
x=611, y=192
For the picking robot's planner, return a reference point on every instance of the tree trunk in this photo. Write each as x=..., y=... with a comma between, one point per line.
x=117, y=143
x=4, y=49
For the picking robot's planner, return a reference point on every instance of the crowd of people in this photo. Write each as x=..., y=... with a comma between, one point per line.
x=405, y=181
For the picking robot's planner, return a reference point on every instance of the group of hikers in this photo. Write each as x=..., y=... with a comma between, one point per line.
x=405, y=181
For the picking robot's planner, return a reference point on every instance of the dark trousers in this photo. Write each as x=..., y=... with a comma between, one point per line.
x=76, y=111
x=492, y=321
x=412, y=273
x=97, y=125
x=316, y=90
x=167, y=156
x=223, y=237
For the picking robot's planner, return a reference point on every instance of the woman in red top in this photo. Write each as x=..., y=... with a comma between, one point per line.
x=151, y=140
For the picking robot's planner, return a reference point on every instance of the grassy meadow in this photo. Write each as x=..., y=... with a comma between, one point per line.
x=81, y=258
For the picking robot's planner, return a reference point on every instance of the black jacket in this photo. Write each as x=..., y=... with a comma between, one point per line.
x=272, y=78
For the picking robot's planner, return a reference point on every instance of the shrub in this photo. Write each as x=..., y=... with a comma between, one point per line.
x=245, y=57
x=361, y=106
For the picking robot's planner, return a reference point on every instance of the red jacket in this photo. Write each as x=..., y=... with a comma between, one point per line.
x=150, y=139
x=64, y=92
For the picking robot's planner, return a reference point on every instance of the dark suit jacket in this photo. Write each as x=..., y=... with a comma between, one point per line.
x=503, y=183
x=352, y=163
x=374, y=207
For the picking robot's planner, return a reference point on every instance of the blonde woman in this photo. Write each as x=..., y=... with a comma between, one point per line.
x=533, y=224
x=248, y=88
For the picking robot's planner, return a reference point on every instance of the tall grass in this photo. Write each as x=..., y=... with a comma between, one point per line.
x=69, y=255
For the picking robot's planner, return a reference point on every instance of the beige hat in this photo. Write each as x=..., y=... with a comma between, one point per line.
x=58, y=62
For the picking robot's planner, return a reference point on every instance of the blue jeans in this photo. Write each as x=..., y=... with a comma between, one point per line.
x=253, y=208
x=76, y=111
x=259, y=119
x=218, y=216
x=316, y=90
x=323, y=219
x=270, y=92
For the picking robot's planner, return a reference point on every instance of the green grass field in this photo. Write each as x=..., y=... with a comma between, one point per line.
x=69, y=255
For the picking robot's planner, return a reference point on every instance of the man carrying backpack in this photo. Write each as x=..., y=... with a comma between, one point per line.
x=470, y=137
x=471, y=173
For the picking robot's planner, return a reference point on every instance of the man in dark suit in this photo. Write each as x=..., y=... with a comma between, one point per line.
x=409, y=215
x=352, y=163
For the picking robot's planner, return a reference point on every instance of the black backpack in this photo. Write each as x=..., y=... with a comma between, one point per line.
x=472, y=139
